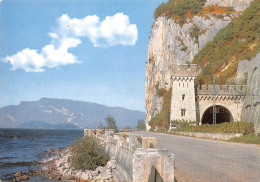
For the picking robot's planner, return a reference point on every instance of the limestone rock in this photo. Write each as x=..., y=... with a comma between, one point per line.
x=18, y=174
x=239, y=5
x=95, y=173
x=171, y=44
x=99, y=169
x=106, y=176
x=85, y=176
x=68, y=178
x=251, y=107
x=111, y=164
x=49, y=151
x=22, y=178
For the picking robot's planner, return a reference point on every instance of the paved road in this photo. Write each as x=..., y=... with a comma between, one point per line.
x=199, y=160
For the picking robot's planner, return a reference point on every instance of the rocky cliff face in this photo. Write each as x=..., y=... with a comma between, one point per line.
x=171, y=43
x=251, y=108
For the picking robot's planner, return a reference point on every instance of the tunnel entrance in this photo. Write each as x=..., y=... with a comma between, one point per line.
x=223, y=115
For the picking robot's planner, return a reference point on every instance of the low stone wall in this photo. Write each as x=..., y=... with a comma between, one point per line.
x=215, y=136
x=153, y=165
x=137, y=158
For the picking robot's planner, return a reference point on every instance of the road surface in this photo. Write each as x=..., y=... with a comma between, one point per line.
x=202, y=160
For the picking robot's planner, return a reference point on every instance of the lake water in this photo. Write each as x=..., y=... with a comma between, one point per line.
x=28, y=150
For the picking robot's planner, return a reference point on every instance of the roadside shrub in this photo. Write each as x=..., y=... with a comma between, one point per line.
x=162, y=119
x=184, y=123
x=87, y=153
x=250, y=138
x=232, y=127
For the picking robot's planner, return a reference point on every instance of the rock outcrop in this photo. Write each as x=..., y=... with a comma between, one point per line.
x=171, y=43
x=251, y=108
x=239, y=5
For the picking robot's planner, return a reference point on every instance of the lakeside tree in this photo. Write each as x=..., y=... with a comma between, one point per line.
x=141, y=124
x=111, y=122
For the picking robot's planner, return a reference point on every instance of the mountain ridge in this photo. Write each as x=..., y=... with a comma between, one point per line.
x=56, y=111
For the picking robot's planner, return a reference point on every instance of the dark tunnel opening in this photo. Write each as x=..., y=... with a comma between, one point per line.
x=223, y=115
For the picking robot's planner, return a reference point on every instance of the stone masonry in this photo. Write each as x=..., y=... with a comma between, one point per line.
x=137, y=158
x=190, y=102
x=183, y=93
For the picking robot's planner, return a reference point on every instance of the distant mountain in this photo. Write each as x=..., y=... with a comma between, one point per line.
x=44, y=125
x=63, y=113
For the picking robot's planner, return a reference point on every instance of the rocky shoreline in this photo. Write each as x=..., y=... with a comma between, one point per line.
x=58, y=168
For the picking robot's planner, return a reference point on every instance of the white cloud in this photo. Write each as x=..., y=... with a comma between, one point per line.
x=27, y=59
x=113, y=30
x=32, y=61
x=1, y=1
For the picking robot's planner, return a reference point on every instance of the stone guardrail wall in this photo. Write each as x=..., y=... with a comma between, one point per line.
x=138, y=159
x=221, y=90
x=215, y=136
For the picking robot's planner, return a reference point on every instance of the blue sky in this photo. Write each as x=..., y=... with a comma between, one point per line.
x=88, y=50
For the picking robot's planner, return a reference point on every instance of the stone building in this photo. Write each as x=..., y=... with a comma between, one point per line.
x=183, y=92
x=192, y=102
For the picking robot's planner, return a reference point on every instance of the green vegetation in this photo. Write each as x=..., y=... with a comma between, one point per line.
x=184, y=122
x=162, y=120
x=238, y=41
x=141, y=124
x=232, y=127
x=250, y=138
x=101, y=126
x=195, y=32
x=126, y=128
x=180, y=9
x=111, y=123
x=184, y=48
x=87, y=153
x=244, y=81
x=160, y=92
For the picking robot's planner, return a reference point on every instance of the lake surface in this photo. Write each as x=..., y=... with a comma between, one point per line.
x=29, y=149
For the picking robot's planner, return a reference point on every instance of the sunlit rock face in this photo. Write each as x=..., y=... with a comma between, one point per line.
x=171, y=43
x=251, y=108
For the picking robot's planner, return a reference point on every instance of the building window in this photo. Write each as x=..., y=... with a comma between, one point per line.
x=183, y=97
x=179, y=84
x=183, y=112
x=183, y=84
x=187, y=85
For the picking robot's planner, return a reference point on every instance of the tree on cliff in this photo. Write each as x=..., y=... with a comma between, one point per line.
x=111, y=122
x=141, y=125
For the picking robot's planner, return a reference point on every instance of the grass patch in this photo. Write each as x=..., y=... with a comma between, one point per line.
x=250, y=138
x=87, y=153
